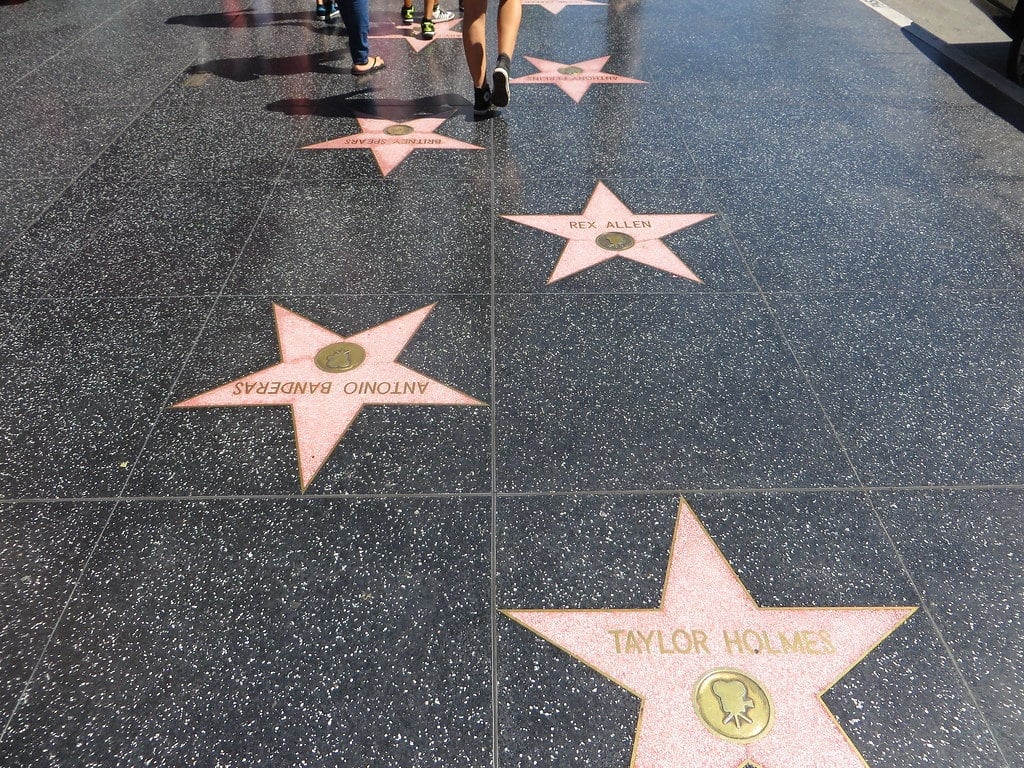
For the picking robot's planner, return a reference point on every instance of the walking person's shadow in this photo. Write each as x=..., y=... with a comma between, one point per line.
x=356, y=104
x=248, y=68
x=239, y=19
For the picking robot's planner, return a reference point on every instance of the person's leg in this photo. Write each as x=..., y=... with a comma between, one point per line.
x=510, y=14
x=427, y=24
x=356, y=14
x=474, y=32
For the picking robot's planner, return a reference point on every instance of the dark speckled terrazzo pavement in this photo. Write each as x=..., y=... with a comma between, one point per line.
x=840, y=398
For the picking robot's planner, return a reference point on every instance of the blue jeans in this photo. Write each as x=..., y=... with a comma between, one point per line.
x=356, y=15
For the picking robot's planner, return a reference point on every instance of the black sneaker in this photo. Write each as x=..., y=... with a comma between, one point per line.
x=427, y=29
x=408, y=15
x=501, y=91
x=482, y=101
x=321, y=11
x=333, y=13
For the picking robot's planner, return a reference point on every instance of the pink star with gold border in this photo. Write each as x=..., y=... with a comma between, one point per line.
x=443, y=30
x=608, y=229
x=723, y=682
x=556, y=6
x=574, y=79
x=327, y=379
x=391, y=141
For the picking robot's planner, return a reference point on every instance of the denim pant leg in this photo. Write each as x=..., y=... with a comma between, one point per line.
x=356, y=15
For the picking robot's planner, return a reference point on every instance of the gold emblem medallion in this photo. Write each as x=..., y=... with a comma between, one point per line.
x=398, y=130
x=733, y=706
x=570, y=71
x=340, y=357
x=615, y=241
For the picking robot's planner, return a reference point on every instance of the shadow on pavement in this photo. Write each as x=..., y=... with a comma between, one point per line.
x=985, y=94
x=993, y=55
x=355, y=104
x=240, y=19
x=248, y=68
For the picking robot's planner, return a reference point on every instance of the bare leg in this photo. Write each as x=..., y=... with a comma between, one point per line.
x=474, y=33
x=428, y=8
x=510, y=14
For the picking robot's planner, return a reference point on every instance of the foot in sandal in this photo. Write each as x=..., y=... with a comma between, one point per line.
x=373, y=64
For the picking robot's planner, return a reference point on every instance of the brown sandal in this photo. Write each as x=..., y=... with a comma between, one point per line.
x=374, y=64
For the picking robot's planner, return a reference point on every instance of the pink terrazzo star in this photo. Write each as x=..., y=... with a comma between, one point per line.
x=723, y=683
x=574, y=79
x=556, y=6
x=326, y=381
x=607, y=228
x=392, y=141
x=443, y=30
